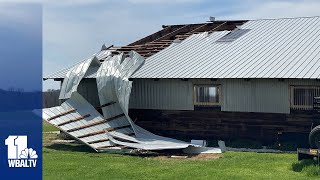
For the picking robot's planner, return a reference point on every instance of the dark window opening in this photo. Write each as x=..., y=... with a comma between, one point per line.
x=302, y=97
x=207, y=95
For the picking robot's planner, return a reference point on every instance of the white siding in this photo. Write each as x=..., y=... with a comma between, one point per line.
x=261, y=95
x=163, y=94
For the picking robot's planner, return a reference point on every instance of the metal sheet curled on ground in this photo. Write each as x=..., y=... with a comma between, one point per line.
x=114, y=129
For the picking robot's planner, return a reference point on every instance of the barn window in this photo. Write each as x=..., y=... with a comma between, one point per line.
x=302, y=97
x=207, y=95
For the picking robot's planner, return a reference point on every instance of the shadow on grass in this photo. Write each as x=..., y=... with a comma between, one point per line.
x=71, y=147
x=307, y=166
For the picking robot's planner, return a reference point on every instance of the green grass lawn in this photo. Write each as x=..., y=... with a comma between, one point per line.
x=46, y=127
x=68, y=161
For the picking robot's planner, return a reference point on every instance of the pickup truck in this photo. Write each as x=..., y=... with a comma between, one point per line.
x=314, y=135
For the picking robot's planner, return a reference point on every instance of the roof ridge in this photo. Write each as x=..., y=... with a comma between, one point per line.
x=300, y=17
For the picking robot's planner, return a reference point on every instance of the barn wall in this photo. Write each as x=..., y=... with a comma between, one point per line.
x=215, y=124
x=238, y=95
x=263, y=95
x=259, y=95
x=163, y=94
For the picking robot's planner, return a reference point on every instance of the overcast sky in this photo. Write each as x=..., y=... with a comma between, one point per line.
x=20, y=46
x=75, y=30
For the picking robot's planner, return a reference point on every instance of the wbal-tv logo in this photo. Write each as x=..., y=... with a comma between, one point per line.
x=19, y=155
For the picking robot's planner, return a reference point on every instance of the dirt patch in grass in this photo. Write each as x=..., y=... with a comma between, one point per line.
x=205, y=156
x=47, y=139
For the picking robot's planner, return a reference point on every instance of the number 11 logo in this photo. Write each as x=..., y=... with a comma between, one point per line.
x=15, y=145
x=19, y=155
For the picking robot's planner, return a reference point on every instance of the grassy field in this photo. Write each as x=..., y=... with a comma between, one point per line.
x=72, y=161
x=46, y=127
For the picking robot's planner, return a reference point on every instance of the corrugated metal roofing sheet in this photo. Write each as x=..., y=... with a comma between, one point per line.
x=91, y=72
x=273, y=48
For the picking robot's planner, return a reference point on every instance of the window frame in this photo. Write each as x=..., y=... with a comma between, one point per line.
x=305, y=106
x=195, y=103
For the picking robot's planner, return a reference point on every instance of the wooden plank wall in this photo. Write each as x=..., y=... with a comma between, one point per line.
x=215, y=124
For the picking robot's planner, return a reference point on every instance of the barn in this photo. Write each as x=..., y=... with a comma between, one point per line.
x=251, y=79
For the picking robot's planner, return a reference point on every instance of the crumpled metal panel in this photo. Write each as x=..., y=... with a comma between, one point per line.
x=114, y=86
x=115, y=128
x=74, y=76
x=82, y=107
x=62, y=73
x=107, y=139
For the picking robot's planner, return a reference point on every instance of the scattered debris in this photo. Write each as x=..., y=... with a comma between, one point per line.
x=190, y=157
x=52, y=132
x=64, y=141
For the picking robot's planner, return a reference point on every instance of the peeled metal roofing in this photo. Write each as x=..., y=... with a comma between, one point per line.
x=81, y=120
x=91, y=73
x=273, y=48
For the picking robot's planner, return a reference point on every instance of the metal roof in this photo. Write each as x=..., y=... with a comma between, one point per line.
x=160, y=40
x=273, y=48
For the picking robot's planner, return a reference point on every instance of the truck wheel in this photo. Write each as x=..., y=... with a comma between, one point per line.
x=314, y=137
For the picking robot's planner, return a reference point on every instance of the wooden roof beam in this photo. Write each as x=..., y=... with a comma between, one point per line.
x=217, y=28
x=168, y=36
x=95, y=123
x=151, y=45
x=147, y=51
x=74, y=120
x=61, y=114
x=166, y=30
x=198, y=28
x=105, y=105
